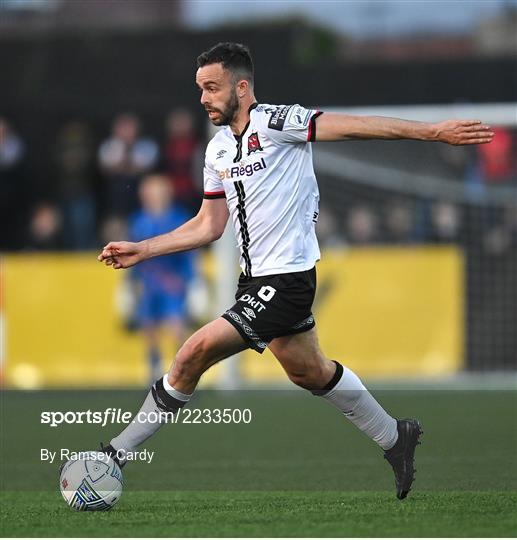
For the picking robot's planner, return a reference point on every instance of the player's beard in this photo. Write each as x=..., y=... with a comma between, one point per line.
x=227, y=115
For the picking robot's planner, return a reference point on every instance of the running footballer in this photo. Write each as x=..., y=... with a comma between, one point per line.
x=259, y=173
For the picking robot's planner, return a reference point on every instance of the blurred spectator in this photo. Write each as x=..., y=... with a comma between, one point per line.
x=74, y=160
x=510, y=220
x=12, y=148
x=502, y=238
x=327, y=230
x=162, y=282
x=123, y=159
x=362, y=226
x=399, y=222
x=497, y=159
x=113, y=228
x=181, y=153
x=457, y=159
x=12, y=185
x=445, y=223
x=497, y=241
x=45, y=228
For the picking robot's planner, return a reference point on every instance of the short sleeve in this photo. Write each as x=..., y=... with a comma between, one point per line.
x=213, y=185
x=292, y=124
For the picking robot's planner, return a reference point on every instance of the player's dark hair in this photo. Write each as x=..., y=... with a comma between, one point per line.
x=234, y=57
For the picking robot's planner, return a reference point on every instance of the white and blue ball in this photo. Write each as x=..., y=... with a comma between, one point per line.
x=91, y=482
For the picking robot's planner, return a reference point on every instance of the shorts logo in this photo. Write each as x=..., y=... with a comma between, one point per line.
x=260, y=345
x=306, y=322
x=249, y=313
x=277, y=119
x=250, y=300
x=254, y=143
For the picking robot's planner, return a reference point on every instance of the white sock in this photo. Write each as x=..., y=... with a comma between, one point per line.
x=145, y=424
x=349, y=395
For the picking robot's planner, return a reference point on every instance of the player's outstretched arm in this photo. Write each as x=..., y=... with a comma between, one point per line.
x=339, y=127
x=208, y=225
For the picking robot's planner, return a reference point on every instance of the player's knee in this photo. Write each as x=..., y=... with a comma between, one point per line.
x=307, y=379
x=300, y=379
x=311, y=377
x=190, y=360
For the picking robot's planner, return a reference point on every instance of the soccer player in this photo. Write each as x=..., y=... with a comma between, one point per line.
x=259, y=172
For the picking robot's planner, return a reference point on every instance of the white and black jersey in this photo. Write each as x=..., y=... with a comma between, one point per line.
x=267, y=177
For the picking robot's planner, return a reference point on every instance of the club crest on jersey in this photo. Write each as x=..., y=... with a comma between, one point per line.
x=254, y=143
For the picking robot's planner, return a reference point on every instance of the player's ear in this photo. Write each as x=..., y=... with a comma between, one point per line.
x=242, y=88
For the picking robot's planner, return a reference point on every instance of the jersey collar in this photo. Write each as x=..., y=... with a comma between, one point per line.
x=239, y=137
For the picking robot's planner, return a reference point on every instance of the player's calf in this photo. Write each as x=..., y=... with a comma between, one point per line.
x=191, y=361
x=169, y=394
x=398, y=438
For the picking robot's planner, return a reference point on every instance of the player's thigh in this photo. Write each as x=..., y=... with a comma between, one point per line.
x=301, y=355
x=210, y=344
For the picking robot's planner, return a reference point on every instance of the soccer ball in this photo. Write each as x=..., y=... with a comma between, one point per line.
x=92, y=481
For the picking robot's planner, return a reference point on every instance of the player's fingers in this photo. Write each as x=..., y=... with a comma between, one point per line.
x=112, y=246
x=477, y=128
x=117, y=265
x=479, y=135
x=470, y=122
x=104, y=254
x=479, y=140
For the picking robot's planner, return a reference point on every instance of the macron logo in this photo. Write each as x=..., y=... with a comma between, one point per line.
x=247, y=170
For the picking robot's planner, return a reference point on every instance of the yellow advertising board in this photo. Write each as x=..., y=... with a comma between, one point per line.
x=380, y=311
x=64, y=325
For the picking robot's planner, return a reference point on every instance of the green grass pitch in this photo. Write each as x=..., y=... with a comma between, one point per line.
x=298, y=469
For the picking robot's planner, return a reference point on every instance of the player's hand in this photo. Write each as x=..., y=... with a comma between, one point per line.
x=460, y=132
x=122, y=254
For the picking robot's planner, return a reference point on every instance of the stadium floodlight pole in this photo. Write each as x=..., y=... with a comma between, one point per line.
x=225, y=256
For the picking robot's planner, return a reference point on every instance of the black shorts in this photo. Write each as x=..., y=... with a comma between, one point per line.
x=268, y=307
